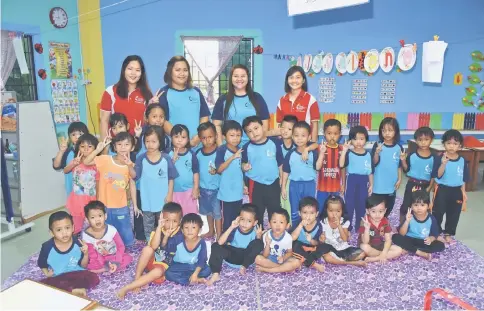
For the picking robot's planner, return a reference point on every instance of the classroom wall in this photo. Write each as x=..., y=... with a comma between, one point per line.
x=149, y=29
x=32, y=17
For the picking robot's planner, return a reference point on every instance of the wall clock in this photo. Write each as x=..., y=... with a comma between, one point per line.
x=58, y=17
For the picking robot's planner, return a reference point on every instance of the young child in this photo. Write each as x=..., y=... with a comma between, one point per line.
x=158, y=254
x=331, y=178
x=277, y=255
x=189, y=264
x=302, y=173
x=63, y=258
x=239, y=245
x=84, y=179
x=450, y=189
x=155, y=115
x=387, y=157
x=66, y=151
x=228, y=165
x=115, y=178
x=155, y=173
x=187, y=184
x=418, y=234
x=359, y=174
x=262, y=164
x=375, y=234
x=306, y=246
x=208, y=203
x=335, y=233
x=117, y=123
x=105, y=246
x=419, y=168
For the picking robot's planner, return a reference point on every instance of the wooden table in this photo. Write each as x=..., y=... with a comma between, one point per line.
x=469, y=155
x=478, y=158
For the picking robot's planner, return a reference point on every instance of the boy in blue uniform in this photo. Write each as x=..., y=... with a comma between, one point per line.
x=450, y=190
x=63, y=259
x=228, y=165
x=262, y=164
x=190, y=261
x=239, y=245
x=208, y=203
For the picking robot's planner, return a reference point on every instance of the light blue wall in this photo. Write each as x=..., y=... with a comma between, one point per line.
x=149, y=29
x=32, y=17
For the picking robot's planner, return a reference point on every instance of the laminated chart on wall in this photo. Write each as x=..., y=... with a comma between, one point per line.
x=60, y=60
x=327, y=90
x=358, y=91
x=65, y=100
x=387, y=91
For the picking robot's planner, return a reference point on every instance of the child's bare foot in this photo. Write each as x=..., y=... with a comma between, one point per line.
x=360, y=263
x=201, y=281
x=123, y=291
x=371, y=259
x=318, y=267
x=441, y=239
x=448, y=239
x=260, y=268
x=215, y=277
x=242, y=270
x=208, y=235
x=79, y=292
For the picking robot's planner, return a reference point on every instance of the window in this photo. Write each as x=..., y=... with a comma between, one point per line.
x=25, y=86
x=243, y=55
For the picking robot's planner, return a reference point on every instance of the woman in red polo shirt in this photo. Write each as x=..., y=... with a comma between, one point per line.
x=128, y=96
x=298, y=101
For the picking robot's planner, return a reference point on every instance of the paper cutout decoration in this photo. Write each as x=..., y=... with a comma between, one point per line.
x=387, y=59
x=361, y=61
x=39, y=48
x=433, y=61
x=473, y=79
x=328, y=63
x=387, y=91
x=352, y=62
x=471, y=91
x=458, y=78
x=317, y=63
x=358, y=91
x=299, y=60
x=341, y=63
x=42, y=74
x=292, y=61
x=327, y=90
x=258, y=50
x=475, y=67
x=406, y=57
x=477, y=56
x=307, y=61
x=371, y=62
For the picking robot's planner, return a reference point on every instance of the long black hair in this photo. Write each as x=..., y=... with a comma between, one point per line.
x=248, y=89
x=290, y=72
x=142, y=84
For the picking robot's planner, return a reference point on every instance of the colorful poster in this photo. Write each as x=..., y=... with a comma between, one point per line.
x=65, y=101
x=9, y=111
x=387, y=91
x=358, y=91
x=327, y=90
x=60, y=60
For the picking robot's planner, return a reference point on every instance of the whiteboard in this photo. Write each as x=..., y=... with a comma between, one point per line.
x=296, y=7
x=42, y=188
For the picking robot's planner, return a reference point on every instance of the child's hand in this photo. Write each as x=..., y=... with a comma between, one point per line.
x=268, y=239
x=127, y=160
x=137, y=212
x=107, y=140
x=322, y=237
x=77, y=160
x=193, y=279
x=235, y=223
x=409, y=215
x=429, y=240
x=403, y=155
x=284, y=193
x=112, y=267
x=238, y=154
x=169, y=197
x=246, y=190
x=63, y=144
x=342, y=190
x=170, y=230
x=308, y=237
x=258, y=231
x=194, y=141
x=428, y=189
x=49, y=273
x=137, y=129
x=161, y=221
x=175, y=155
x=280, y=259
x=382, y=258
x=366, y=223
x=379, y=148
x=397, y=184
x=195, y=193
x=246, y=167
x=464, y=196
x=445, y=159
x=346, y=145
x=323, y=148
x=83, y=247
x=370, y=189
x=156, y=98
x=305, y=154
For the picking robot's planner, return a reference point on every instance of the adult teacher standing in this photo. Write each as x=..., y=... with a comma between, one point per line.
x=239, y=103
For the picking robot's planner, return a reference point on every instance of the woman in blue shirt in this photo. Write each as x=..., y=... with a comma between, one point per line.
x=239, y=103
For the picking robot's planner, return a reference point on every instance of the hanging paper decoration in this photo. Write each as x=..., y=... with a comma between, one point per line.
x=458, y=78
x=39, y=48
x=317, y=64
x=371, y=62
x=475, y=67
x=292, y=61
x=361, y=61
x=307, y=61
x=299, y=60
x=351, y=62
x=328, y=62
x=387, y=59
x=475, y=91
x=341, y=63
x=473, y=79
x=477, y=56
x=407, y=57
x=42, y=74
x=258, y=50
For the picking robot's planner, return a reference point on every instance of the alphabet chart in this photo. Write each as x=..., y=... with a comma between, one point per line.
x=327, y=90
x=358, y=91
x=387, y=91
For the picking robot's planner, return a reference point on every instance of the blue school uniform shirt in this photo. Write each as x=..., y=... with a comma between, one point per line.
x=186, y=166
x=386, y=170
x=420, y=168
x=198, y=256
x=265, y=159
x=298, y=169
x=315, y=233
x=285, y=150
x=423, y=229
x=67, y=158
x=359, y=164
x=232, y=179
x=184, y=107
x=166, y=254
x=456, y=172
x=240, y=109
x=207, y=161
x=240, y=239
x=153, y=178
x=51, y=257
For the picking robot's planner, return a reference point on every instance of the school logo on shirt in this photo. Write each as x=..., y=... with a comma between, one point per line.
x=188, y=165
x=161, y=173
x=300, y=108
x=247, y=104
x=425, y=232
x=73, y=261
x=139, y=100
x=193, y=99
x=367, y=166
x=396, y=156
x=428, y=169
x=270, y=153
x=460, y=171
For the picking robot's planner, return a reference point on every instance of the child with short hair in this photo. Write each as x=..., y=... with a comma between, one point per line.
x=155, y=173
x=452, y=173
x=331, y=178
x=84, y=179
x=375, y=234
x=117, y=123
x=63, y=258
x=239, y=245
x=302, y=173
x=262, y=164
x=186, y=188
x=306, y=246
x=208, y=203
x=66, y=151
x=189, y=264
x=154, y=115
x=277, y=255
x=105, y=246
x=156, y=257
x=387, y=156
x=419, y=166
x=359, y=174
x=418, y=234
x=115, y=178
x=228, y=165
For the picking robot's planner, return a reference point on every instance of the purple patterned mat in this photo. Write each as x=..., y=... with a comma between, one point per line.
x=400, y=284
